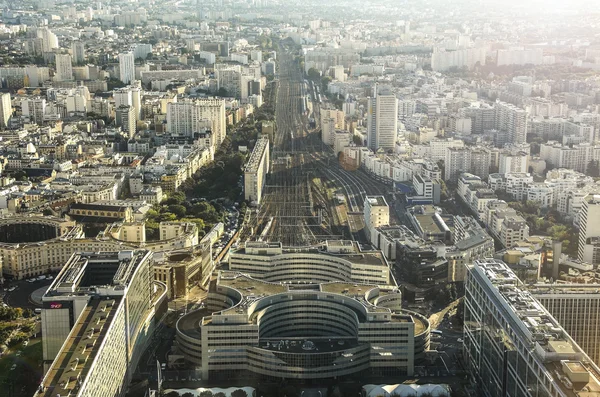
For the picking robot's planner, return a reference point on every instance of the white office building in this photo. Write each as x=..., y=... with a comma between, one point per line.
x=382, y=121
x=589, y=229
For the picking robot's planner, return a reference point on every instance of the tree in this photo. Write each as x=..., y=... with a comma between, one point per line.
x=593, y=169
x=175, y=198
x=313, y=74
x=222, y=92
x=177, y=209
x=239, y=393
x=220, y=394
x=325, y=80
x=357, y=140
x=172, y=393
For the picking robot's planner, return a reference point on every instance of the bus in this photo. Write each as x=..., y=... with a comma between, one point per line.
x=436, y=331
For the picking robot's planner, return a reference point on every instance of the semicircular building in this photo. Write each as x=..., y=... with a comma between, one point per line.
x=302, y=329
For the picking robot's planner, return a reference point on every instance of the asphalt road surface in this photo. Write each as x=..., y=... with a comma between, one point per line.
x=20, y=296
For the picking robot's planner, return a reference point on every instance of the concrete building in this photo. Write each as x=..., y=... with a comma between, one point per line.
x=443, y=60
x=577, y=308
x=458, y=161
x=512, y=344
x=382, y=120
x=5, y=109
x=331, y=120
x=64, y=67
x=127, y=67
x=520, y=56
x=575, y=157
x=125, y=118
x=377, y=214
x=513, y=162
x=270, y=330
x=188, y=117
x=511, y=122
x=589, y=230
x=78, y=51
x=100, y=312
x=256, y=170
x=332, y=260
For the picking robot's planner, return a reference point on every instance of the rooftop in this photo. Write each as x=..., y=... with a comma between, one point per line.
x=86, y=272
x=257, y=154
x=537, y=329
x=376, y=201
x=78, y=353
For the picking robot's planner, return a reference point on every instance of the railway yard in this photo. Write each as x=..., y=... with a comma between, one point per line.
x=308, y=196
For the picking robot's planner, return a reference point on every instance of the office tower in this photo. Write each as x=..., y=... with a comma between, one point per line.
x=577, y=308
x=382, y=120
x=589, y=229
x=125, y=118
x=78, y=50
x=256, y=170
x=512, y=345
x=377, y=214
x=64, y=67
x=127, y=67
x=5, y=109
x=100, y=313
x=511, y=122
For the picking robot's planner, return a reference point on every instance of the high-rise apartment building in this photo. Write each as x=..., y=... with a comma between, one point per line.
x=382, y=120
x=78, y=51
x=331, y=120
x=457, y=161
x=512, y=344
x=100, y=312
x=34, y=109
x=127, y=67
x=49, y=41
x=64, y=67
x=5, y=109
x=589, y=229
x=125, y=118
x=188, y=117
x=230, y=79
x=511, y=122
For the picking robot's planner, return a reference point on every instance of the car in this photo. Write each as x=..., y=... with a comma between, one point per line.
x=11, y=289
x=14, y=366
x=19, y=353
x=25, y=343
x=49, y=278
x=460, y=340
